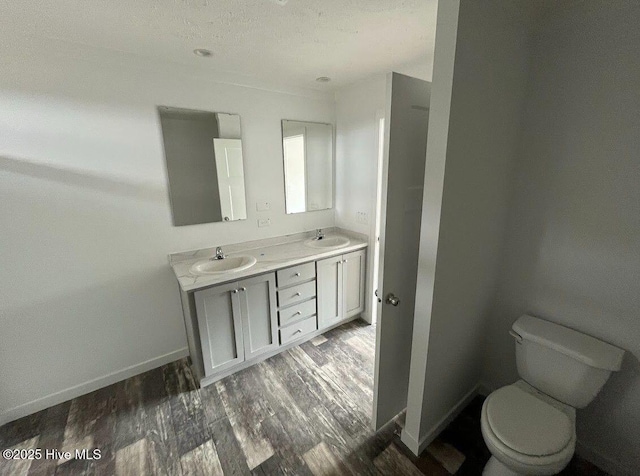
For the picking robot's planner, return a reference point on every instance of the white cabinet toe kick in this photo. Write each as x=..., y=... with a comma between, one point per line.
x=234, y=325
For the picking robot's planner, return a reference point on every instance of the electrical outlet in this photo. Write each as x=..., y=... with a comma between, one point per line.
x=362, y=217
x=264, y=222
x=263, y=206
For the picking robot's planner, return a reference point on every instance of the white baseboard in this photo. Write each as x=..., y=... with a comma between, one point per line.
x=89, y=386
x=418, y=446
x=410, y=441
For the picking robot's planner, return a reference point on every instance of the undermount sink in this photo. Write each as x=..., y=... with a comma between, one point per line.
x=328, y=243
x=227, y=265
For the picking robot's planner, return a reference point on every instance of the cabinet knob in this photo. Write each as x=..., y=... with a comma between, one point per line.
x=235, y=291
x=297, y=275
x=243, y=289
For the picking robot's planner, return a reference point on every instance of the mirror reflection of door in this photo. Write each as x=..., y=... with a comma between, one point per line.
x=295, y=171
x=308, y=165
x=205, y=171
x=228, y=154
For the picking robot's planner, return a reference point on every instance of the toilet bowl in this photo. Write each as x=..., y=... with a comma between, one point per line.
x=526, y=432
x=529, y=426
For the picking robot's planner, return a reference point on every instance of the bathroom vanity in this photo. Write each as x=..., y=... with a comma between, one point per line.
x=296, y=287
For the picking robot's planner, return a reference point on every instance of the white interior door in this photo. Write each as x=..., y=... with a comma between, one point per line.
x=407, y=115
x=230, y=169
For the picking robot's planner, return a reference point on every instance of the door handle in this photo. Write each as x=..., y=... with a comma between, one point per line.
x=392, y=299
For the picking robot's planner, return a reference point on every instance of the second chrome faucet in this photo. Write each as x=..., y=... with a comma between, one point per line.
x=219, y=253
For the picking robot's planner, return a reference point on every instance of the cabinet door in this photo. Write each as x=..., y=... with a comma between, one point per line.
x=329, y=282
x=259, y=314
x=220, y=327
x=353, y=265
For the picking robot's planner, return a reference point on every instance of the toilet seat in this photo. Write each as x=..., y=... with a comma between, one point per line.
x=526, y=424
x=528, y=432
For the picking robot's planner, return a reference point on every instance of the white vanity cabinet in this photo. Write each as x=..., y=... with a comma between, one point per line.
x=340, y=287
x=236, y=322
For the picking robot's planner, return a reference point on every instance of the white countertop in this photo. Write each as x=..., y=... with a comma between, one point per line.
x=271, y=254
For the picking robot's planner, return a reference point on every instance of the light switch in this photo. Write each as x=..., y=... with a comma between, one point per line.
x=263, y=206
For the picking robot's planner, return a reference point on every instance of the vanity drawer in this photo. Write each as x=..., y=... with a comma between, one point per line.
x=296, y=294
x=293, y=313
x=298, y=330
x=296, y=274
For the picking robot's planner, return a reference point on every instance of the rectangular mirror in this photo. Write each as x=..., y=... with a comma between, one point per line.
x=308, y=165
x=203, y=152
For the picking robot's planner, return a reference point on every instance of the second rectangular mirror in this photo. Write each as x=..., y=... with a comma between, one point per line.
x=308, y=165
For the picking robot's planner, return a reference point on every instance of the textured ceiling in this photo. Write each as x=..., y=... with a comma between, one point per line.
x=289, y=41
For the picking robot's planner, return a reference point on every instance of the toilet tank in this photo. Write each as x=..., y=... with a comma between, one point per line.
x=563, y=363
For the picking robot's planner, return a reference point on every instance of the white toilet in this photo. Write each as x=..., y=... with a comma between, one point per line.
x=529, y=426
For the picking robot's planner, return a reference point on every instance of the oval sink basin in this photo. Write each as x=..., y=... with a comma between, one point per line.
x=328, y=243
x=220, y=266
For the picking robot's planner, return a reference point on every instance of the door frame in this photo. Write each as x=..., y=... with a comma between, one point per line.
x=374, y=233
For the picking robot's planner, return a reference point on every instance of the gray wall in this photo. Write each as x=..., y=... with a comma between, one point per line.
x=474, y=129
x=87, y=296
x=572, y=253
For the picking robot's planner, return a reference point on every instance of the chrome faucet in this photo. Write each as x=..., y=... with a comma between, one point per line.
x=219, y=254
x=319, y=234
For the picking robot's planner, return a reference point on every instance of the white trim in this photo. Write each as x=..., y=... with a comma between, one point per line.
x=89, y=386
x=410, y=441
x=418, y=446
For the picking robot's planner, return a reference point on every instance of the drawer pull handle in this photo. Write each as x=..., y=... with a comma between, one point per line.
x=298, y=313
x=297, y=275
x=297, y=332
x=298, y=294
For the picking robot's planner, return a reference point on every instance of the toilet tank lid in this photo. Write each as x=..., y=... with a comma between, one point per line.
x=577, y=345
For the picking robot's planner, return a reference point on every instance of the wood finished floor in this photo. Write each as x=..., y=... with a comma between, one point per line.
x=303, y=412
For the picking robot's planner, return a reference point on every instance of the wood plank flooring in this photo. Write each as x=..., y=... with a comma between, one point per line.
x=303, y=412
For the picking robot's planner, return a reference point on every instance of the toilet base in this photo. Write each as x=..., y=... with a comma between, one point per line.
x=495, y=468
